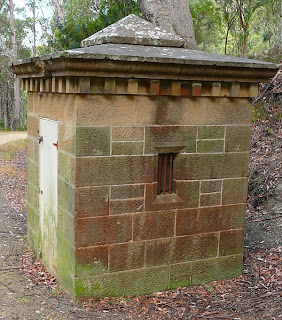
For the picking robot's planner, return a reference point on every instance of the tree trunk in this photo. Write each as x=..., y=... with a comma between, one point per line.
x=59, y=9
x=34, y=28
x=1, y=101
x=173, y=16
x=245, y=44
x=17, y=101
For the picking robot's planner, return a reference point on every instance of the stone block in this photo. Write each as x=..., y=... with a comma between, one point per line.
x=157, y=136
x=126, y=256
x=161, y=110
x=127, y=191
x=33, y=219
x=66, y=138
x=110, y=85
x=127, y=148
x=211, y=199
x=209, y=219
x=188, y=191
x=210, y=146
x=49, y=105
x=33, y=173
x=95, y=110
x=180, y=275
x=66, y=196
x=195, y=247
x=238, y=138
x=126, y=206
x=231, y=242
x=196, y=89
x=66, y=226
x=103, y=230
x=92, y=202
x=228, y=111
x=235, y=191
x=233, y=216
x=84, y=85
x=132, y=87
x=116, y=170
x=136, y=282
x=29, y=102
x=211, y=132
x=65, y=264
x=66, y=167
x=186, y=222
x=153, y=225
x=33, y=126
x=91, y=261
x=210, y=166
x=92, y=141
x=121, y=86
x=89, y=287
x=208, y=186
x=127, y=133
x=159, y=252
x=30, y=142
x=36, y=152
x=216, y=269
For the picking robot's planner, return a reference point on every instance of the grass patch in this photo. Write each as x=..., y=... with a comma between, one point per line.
x=9, y=151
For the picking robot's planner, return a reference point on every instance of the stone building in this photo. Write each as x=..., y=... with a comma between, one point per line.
x=138, y=153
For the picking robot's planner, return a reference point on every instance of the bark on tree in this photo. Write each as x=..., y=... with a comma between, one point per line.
x=34, y=28
x=173, y=16
x=17, y=99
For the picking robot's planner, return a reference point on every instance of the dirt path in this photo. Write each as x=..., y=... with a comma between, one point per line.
x=6, y=137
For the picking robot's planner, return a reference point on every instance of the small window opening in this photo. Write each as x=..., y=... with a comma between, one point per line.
x=165, y=172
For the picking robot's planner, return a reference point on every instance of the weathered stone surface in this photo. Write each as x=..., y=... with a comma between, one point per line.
x=33, y=126
x=136, y=282
x=181, y=249
x=235, y=191
x=95, y=110
x=211, y=166
x=210, y=146
x=209, y=219
x=66, y=196
x=127, y=148
x=126, y=206
x=231, y=242
x=66, y=226
x=238, y=138
x=188, y=191
x=126, y=256
x=134, y=30
x=153, y=225
x=211, y=132
x=233, y=216
x=157, y=136
x=116, y=170
x=186, y=222
x=92, y=141
x=208, y=186
x=91, y=261
x=103, y=230
x=127, y=133
x=33, y=172
x=67, y=168
x=212, y=199
x=92, y=201
x=33, y=219
x=127, y=191
x=216, y=269
x=180, y=275
x=66, y=138
x=161, y=111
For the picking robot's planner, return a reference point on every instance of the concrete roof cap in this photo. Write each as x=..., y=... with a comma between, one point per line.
x=134, y=30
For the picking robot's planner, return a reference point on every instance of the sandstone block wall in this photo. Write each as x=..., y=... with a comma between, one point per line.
x=116, y=235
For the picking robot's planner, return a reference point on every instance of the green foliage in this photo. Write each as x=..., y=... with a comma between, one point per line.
x=83, y=18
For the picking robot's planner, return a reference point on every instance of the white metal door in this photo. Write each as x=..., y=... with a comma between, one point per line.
x=48, y=171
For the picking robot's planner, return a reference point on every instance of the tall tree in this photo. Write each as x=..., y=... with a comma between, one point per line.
x=173, y=16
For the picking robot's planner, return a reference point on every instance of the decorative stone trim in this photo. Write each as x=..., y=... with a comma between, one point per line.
x=91, y=85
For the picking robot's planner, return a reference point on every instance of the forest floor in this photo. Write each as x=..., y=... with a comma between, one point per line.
x=28, y=292
x=7, y=136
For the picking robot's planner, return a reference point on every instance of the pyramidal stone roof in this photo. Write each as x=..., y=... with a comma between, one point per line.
x=134, y=30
